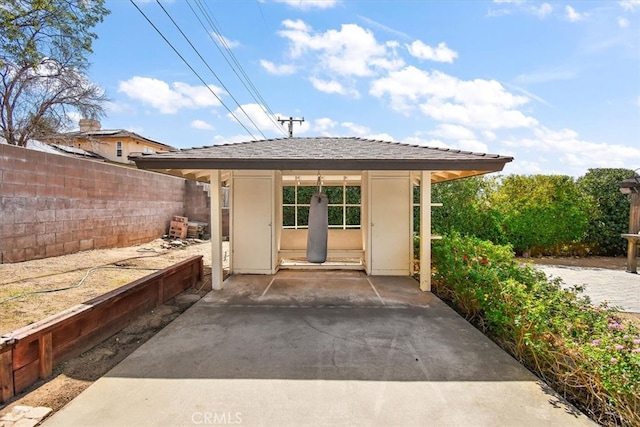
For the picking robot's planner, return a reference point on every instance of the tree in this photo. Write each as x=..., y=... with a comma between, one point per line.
x=611, y=215
x=542, y=211
x=43, y=56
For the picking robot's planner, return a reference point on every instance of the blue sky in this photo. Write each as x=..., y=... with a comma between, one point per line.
x=554, y=84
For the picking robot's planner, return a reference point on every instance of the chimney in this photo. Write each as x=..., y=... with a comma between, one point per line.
x=89, y=125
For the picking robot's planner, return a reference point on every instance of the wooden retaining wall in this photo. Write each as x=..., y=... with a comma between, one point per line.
x=30, y=353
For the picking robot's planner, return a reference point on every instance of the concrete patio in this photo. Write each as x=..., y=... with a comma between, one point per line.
x=319, y=348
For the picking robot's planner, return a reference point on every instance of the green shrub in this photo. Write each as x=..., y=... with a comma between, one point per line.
x=609, y=215
x=587, y=354
x=541, y=211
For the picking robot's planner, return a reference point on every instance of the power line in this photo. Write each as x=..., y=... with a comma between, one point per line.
x=210, y=69
x=244, y=79
x=192, y=69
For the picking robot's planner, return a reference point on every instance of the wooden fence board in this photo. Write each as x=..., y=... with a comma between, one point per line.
x=6, y=374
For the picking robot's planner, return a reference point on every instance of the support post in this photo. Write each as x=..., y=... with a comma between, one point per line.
x=7, y=390
x=45, y=353
x=216, y=230
x=425, y=231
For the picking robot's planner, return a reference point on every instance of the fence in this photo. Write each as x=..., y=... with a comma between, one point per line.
x=30, y=353
x=52, y=205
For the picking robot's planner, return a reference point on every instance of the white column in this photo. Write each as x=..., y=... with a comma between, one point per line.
x=216, y=230
x=425, y=231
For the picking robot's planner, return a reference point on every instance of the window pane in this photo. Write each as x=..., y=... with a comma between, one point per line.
x=288, y=195
x=303, y=216
x=288, y=216
x=334, y=195
x=353, y=215
x=353, y=195
x=416, y=194
x=305, y=194
x=335, y=215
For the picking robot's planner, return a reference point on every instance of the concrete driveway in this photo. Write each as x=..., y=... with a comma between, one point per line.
x=318, y=349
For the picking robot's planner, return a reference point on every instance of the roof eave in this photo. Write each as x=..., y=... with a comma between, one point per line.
x=485, y=163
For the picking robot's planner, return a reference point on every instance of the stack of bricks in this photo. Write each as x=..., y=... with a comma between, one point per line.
x=179, y=227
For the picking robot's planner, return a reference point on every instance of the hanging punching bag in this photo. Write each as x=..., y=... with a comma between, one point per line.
x=318, y=228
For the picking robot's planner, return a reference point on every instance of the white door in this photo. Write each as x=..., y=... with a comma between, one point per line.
x=390, y=226
x=252, y=225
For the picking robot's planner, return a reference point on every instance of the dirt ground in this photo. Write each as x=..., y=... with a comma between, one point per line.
x=92, y=273
x=104, y=270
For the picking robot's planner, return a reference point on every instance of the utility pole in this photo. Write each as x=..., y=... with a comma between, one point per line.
x=290, y=120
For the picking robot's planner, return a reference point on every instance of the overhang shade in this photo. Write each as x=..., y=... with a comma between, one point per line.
x=321, y=153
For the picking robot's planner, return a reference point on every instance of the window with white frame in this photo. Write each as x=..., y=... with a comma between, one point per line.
x=344, y=209
x=119, y=148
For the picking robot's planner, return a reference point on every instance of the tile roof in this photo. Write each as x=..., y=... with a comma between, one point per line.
x=325, y=153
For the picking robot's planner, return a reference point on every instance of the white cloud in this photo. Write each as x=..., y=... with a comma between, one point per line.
x=441, y=53
x=324, y=124
x=281, y=70
x=355, y=129
x=542, y=11
x=201, y=124
x=533, y=8
x=623, y=22
x=332, y=86
x=573, y=15
x=574, y=153
x=630, y=5
x=449, y=131
x=383, y=27
x=169, y=99
x=261, y=119
x=222, y=40
x=350, y=51
x=472, y=145
x=479, y=104
x=309, y=4
x=380, y=137
x=546, y=76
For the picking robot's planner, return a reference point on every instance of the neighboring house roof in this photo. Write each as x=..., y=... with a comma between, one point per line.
x=322, y=153
x=79, y=152
x=33, y=144
x=115, y=133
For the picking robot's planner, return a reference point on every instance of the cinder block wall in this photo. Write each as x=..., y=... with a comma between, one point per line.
x=197, y=207
x=52, y=205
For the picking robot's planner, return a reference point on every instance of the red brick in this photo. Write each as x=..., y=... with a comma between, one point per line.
x=86, y=244
x=14, y=255
x=25, y=241
x=42, y=191
x=45, y=239
x=54, y=227
x=26, y=190
x=25, y=216
x=54, y=250
x=64, y=237
x=71, y=247
x=46, y=216
x=99, y=242
x=37, y=228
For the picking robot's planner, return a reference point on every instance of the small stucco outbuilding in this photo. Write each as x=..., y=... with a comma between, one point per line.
x=375, y=189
